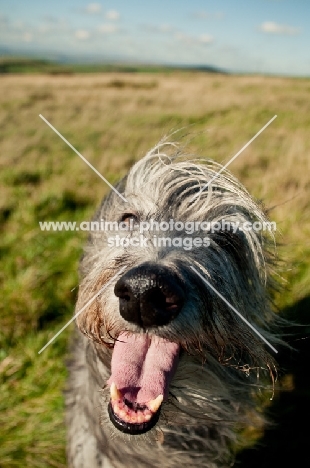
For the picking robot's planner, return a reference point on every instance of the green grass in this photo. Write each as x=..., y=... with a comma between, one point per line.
x=113, y=119
x=33, y=421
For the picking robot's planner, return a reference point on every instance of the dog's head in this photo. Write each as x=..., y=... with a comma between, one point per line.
x=174, y=279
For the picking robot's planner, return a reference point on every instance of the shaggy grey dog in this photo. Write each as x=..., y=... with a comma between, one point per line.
x=164, y=372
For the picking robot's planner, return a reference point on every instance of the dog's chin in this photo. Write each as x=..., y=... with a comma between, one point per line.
x=141, y=424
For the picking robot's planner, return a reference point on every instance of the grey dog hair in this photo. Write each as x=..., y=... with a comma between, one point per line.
x=223, y=364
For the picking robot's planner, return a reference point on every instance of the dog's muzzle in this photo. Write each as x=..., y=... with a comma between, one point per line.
x=143, y=364
x=150, y=295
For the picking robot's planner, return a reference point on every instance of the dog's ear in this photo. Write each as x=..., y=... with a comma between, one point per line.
x=234, y=244
x=246, y=253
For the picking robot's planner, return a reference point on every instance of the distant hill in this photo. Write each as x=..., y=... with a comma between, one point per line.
x=35, y=65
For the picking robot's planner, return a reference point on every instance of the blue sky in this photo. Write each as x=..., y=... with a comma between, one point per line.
x=269, y=36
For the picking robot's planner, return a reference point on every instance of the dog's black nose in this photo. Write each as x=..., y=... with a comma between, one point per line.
x=150, y=295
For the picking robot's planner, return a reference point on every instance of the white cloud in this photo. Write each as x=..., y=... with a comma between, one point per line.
x=50, y=34
x=180, y=36
x=27, y=37
x=112, y=15
x=93, y=8
x=107, y=28
x=82, y=34
x=205, y=39
x=270, y=27
x=165, y=28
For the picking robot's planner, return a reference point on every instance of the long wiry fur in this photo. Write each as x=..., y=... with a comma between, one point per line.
x=222, y=364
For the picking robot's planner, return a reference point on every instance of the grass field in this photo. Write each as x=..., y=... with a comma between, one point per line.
x=113, y=119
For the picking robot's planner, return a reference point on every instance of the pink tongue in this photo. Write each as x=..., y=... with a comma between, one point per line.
x=143, y=366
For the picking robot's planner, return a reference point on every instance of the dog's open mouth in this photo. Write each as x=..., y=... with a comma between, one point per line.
x=142, y=368
x=132, y=417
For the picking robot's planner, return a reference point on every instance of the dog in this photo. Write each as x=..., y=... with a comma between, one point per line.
x=173, y=317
